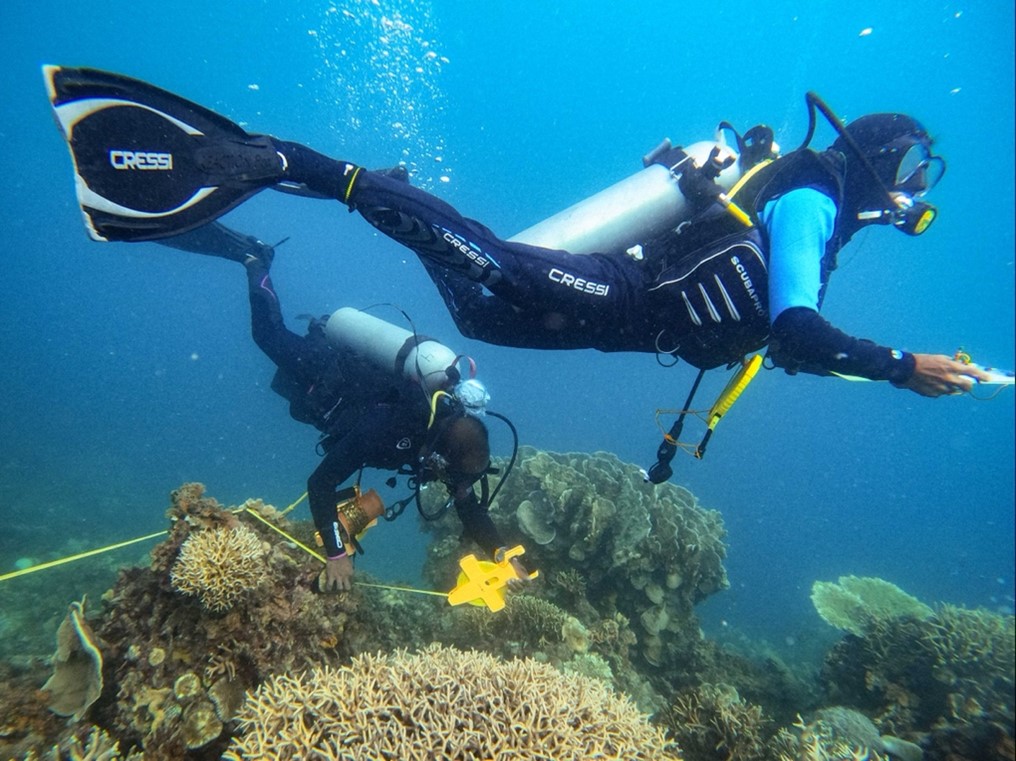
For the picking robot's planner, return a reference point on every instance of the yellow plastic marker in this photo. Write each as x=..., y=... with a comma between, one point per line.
x=733, y=390
x=483, y=583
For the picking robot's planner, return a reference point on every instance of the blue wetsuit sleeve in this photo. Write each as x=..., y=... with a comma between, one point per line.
x=799, y=223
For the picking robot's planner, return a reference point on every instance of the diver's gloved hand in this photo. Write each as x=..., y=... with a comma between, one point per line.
x=338, y=575
x=522, y=574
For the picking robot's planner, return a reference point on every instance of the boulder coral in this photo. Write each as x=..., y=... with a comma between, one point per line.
x=443, y=703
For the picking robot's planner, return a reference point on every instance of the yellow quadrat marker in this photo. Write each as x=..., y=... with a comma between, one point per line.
x=483, y=583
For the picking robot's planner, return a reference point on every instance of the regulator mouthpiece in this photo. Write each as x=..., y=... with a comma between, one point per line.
x=911, y=216
x=916, y=218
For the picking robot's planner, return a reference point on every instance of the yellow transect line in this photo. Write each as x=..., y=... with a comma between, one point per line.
x=273, y=527
x=79, y=556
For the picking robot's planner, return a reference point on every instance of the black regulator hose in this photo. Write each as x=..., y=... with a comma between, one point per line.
x=511, y=461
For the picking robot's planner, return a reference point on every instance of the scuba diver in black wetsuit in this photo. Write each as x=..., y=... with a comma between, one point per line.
x=425, y=421
x=709, y=279
x=710, y=292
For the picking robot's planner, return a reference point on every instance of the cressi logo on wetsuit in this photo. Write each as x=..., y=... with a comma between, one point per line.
x=464, y=248
x=126, y=160
x=578, y=283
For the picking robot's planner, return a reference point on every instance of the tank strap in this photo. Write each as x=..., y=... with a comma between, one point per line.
x=407, y=347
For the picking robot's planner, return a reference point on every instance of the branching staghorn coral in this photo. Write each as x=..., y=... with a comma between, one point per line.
x=443, y=703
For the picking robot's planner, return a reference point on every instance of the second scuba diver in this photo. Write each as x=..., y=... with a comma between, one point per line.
x=426, y=421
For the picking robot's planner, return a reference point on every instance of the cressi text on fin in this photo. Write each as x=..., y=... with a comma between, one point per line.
x=149, y=164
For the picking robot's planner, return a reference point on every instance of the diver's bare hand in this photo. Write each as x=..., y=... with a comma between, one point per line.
x=338, y=574
x=521, y=573
x=939, y=375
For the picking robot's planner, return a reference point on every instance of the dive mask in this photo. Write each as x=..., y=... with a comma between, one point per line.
x=918, y=170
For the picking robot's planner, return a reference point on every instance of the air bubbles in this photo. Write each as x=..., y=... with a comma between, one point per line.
x=381, y=68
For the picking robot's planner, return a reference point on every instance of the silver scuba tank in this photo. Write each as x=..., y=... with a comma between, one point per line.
x=631, y=211
x=391, y=348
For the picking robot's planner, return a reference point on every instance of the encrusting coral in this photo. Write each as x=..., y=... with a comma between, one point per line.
x=443, y=703
x=220, y=566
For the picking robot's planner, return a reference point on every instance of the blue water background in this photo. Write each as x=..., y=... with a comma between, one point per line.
x=128, y=370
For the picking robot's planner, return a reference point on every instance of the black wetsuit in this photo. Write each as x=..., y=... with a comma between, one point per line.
x=367, y=420
x=702, y=296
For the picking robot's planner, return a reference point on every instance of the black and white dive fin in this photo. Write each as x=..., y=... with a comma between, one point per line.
x=149, y=164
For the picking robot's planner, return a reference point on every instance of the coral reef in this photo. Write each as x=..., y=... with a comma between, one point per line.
x=623, y=565
x=526, y=624
x=26, y=723
x=856, y=603
x=442, y=703
x=94, y=744
x=176, y=668
x=841, y=734
x=950, y=674
x=609, y=544
x=220, y=566
x=713, y=722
